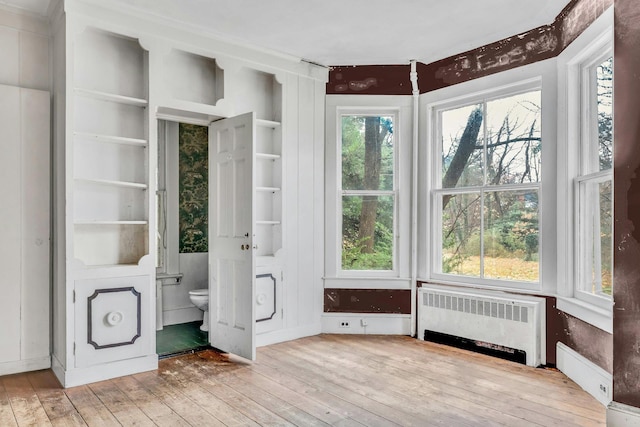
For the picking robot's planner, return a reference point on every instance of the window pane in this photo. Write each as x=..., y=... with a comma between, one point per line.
x=367, y=232
x=367, y=153
x=596, y=203
x=604, y=78
x=511, y=235
x=461, y=234
x=461, y=132
x=513, y=139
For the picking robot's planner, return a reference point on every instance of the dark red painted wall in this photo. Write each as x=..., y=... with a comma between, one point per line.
x=538, y=44
x=626, y=270
x=396, y=301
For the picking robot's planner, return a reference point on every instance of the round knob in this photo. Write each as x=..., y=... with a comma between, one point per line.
x=114, y=318
x=261, y=299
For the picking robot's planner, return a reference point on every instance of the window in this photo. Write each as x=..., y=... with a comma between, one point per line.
x=487, y=190
x=368, y=191
x=594, y=184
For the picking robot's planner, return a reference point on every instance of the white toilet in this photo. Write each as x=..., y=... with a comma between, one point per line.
x=200, y=298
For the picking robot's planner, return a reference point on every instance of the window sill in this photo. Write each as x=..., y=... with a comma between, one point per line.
x=595, y=316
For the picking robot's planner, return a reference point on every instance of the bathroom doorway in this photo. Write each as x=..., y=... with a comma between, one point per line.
x=182, y=224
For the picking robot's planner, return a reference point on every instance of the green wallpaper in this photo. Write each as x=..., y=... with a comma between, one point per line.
x=193, y=201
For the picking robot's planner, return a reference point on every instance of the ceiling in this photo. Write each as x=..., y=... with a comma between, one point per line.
x=350, y=32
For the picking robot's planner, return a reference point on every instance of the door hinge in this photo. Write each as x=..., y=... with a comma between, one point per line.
x=282, y=276
x=74, y=296
x=74, y=348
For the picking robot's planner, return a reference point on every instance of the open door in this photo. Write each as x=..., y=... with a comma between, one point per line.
x=231, y=250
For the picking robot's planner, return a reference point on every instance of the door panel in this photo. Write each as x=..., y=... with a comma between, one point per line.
x=231, y=253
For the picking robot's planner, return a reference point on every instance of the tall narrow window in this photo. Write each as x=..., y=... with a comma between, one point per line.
x=487, y=203
x=368, y=189
x=594, y=186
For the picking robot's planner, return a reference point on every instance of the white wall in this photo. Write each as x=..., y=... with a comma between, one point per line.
x=176, y=306
x=25, y=194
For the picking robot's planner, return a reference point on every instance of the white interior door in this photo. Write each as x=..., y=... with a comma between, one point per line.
x=231, y=219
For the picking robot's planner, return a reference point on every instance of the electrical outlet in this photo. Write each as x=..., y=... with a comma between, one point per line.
x=603, y=388
x=344, y=324
x=363, y=322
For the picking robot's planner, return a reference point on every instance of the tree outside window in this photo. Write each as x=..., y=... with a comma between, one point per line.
x=488, y=200
x=368, y=192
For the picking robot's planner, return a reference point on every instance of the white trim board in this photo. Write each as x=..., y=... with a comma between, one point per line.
x=91, y=374
x=592, y=378
x=366, y=324
x=15, y=367
x=621, y=415
x=283, y=335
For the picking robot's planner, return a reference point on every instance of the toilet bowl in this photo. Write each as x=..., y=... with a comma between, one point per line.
x=200, y=298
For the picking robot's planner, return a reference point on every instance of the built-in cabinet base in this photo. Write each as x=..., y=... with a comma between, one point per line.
x=80, y=376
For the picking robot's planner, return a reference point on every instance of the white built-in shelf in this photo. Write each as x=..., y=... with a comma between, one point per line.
x=125, y=184
x=268, y=222
x=111, y=139
x=89, y=222
x=268, y=189
x=267, y=156
x=112, y=97
x=267, y=123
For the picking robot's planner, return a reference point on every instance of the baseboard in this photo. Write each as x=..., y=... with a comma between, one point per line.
x=621, y=415
x=91, y=374
x=181, y=315
x=283, y=335
x=366, y=324
x=17, y=366
x=592, y=378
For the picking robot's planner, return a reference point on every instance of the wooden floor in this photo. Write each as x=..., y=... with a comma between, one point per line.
x=323, y=380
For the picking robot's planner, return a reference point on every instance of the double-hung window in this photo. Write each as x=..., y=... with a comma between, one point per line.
x=594, y=184
x=367, y=190
x=486, y=197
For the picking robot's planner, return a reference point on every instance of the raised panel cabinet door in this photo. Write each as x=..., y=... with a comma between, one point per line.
x=231, y=247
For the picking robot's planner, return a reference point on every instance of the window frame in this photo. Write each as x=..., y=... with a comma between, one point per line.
x=436, y=192
x=587, y=51
x=588, y=169
x=366, y=112
x=334, y=275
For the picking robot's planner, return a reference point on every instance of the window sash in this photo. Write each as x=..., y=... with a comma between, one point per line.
x=587, y=226
x=391, y=193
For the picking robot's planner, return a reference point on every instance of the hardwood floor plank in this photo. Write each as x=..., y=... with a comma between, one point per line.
x=92, y=410
x=190, y=374
x=557, y=402
x=26, y=406
x=55, y=402
x=243, y=383
x=6, y=412
x=382, y=391
x=337, y=380
x=362, y=407
x=122, y=408
x=156, y=410
x=189, y=407
x=411, y=390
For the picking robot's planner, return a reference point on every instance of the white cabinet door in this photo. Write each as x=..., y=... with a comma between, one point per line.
x=231, y=233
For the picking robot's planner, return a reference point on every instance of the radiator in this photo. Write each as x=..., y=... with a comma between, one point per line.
x=491, y=317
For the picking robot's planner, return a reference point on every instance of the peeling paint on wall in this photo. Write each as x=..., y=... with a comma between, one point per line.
x=626, y=265
x=388, y=301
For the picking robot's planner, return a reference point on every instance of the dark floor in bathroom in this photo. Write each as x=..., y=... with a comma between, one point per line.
x=177, y=339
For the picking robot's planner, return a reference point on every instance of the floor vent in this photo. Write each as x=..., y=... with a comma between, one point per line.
x=491, y=320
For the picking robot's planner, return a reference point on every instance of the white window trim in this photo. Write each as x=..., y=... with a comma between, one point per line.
x=585, y=51
x=535, y=76
x=400, y=108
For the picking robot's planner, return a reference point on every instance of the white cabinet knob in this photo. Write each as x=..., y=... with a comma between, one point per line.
x=261, y=299
x=115, y=318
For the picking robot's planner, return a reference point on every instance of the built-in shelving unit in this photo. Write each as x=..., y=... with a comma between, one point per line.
x=110, y=149
x=268, y=165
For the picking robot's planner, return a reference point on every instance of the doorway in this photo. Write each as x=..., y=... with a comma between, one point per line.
x=182, y=224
